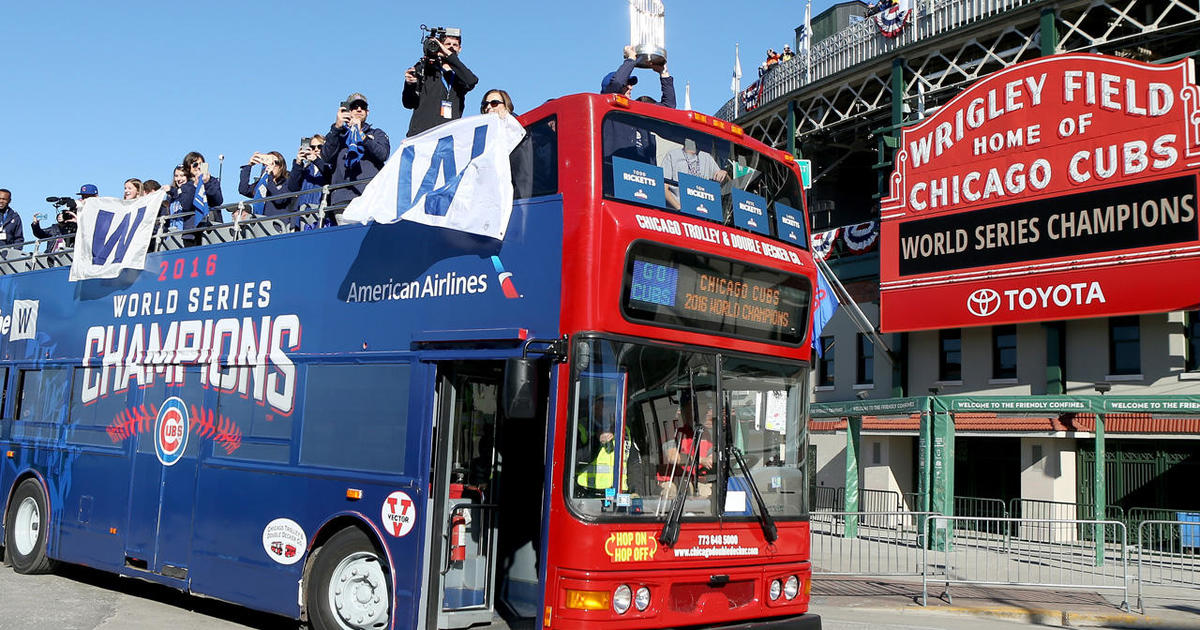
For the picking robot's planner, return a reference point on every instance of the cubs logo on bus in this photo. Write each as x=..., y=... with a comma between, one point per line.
x=171, y=431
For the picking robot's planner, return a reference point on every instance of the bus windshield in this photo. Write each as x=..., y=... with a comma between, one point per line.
x=677, y=422
x=663, y=165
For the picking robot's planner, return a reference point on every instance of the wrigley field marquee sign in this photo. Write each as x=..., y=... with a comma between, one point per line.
x=1059, y=188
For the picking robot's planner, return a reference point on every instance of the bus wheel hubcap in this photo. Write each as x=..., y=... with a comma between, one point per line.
x=27, y=526
x=358, y=592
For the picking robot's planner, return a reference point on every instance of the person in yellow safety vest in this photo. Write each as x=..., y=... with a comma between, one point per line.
x=598, y=473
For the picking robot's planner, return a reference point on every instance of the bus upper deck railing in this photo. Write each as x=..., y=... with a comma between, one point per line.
x=47, y=252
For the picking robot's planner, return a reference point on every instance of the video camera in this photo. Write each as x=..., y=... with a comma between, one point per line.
x=62, y=203
x=430, y=48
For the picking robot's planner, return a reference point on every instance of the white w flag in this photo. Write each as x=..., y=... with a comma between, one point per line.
x=456, y=176
x=114, y=234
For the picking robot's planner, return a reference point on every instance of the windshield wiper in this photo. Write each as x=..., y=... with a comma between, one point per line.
x=670, y=530
x=764, y=517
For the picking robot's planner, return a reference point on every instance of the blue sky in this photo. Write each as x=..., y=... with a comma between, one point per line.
x=98, y=92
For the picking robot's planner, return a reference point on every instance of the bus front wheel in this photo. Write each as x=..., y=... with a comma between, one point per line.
x=348, y=586
x=26, y=529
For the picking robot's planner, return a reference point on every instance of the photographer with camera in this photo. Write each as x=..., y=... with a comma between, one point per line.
x=64, y=226
x=436, y=86
x=11, y=232
x=353, y=149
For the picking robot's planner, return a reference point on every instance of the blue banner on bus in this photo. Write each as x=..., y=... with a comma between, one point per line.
x=700, y=197
x=750, y=212
x=789, y=223
x=638, y=182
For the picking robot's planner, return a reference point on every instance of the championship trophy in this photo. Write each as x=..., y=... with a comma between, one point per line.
x=646, y=19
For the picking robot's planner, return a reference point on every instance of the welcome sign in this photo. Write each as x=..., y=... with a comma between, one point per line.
x=1060, y=188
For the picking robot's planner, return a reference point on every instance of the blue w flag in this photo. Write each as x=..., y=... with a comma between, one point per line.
x=455, y=176
x=825, y=303
x=114, y=234
x=200, y=202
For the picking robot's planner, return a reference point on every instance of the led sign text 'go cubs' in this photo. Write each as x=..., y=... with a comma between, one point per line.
x=247, y=354
x=1061, y=159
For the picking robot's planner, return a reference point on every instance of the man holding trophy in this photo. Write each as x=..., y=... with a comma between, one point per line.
x=646, y=50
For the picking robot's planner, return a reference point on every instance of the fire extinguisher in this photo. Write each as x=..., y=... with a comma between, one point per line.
x=458, y=537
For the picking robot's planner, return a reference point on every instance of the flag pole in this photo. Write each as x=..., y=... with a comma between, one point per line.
x=737, y=79
x=859, y=318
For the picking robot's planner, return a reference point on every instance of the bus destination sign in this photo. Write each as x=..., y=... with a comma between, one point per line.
x=689, y=290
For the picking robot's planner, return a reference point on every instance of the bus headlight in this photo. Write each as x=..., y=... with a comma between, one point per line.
x=776, y=589
x=622, y=597
x=791, y=587
x=641, y=599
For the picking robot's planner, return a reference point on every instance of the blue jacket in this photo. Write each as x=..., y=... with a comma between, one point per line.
x=10, y=223
x=266, y=208
x=617, y=84
x=377, y=148
x=307, y=177
x=212, y=194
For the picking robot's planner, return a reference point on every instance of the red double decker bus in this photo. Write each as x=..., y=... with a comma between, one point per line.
x=597, y=421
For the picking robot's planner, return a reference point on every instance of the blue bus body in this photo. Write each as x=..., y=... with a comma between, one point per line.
x=292, y=364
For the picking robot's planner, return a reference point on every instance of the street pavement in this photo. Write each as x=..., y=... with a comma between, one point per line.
x=78, y=598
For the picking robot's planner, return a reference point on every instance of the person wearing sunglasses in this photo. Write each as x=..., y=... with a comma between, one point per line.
x=309, y=173
x=435, y=89
x=521, y=159
x=199, y=208
x=353, y=149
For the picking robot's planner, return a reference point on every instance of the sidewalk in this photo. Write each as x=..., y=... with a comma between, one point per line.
x=1166, y=607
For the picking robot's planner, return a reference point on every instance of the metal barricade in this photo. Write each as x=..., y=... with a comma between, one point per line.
x=828, y=498
x=977, y=550
x=847, y=543
x=1043, y=509
x=1168, y=553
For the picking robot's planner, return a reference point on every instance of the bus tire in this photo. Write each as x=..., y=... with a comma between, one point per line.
x=26, y=528
x=348, y=587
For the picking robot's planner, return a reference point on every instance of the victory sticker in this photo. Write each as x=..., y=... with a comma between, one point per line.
x=398, y=514
x=284, y=541
x=171, y=431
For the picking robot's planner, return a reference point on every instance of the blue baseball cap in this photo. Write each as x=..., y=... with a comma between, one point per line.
x=609, y=77
x=88, y=189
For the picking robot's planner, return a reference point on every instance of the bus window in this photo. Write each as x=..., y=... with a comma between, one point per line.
x=3, y=392
x=42, y=397
x=661, y=404
x=659, y=158
x=535, y=161
x=356, y=417
x=761, y=402
x=641, y=397
x=263, y=434
x=89, y=424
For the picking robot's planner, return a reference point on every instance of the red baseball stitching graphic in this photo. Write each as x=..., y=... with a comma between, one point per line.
x=204, y=423
x=130, y=422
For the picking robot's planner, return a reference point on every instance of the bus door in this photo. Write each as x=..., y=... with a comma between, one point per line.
x=163, y=483
x=464, y=488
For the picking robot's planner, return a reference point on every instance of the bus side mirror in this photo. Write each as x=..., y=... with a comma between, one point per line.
x=521, y=380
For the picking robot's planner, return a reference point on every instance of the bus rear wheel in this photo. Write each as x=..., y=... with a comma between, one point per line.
x=348, y=586
x=25, y=526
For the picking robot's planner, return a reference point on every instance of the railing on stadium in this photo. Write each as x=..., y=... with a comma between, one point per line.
x=862, y=42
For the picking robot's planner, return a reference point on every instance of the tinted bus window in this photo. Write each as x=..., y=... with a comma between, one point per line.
x=355, y=417
x=42, y=397
x=647, y=162
x=89, y=423
x=264, y=435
